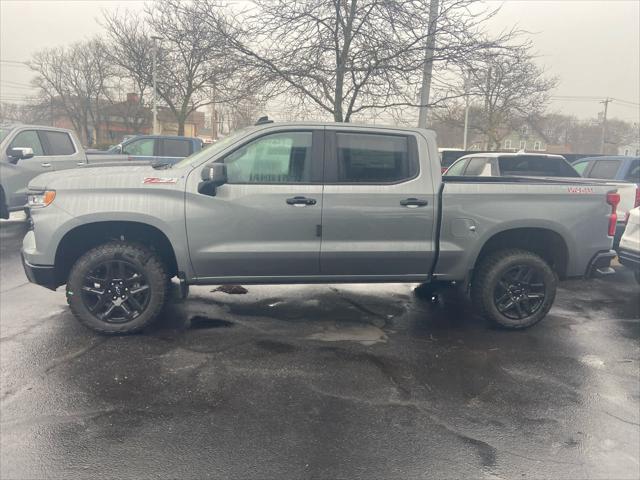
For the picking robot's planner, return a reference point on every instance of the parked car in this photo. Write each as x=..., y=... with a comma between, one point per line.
x=610, y=167
x=165, y=149
x=629, y=251
x=29, y=150
x=618, y=168
x=312, y=203
x=494, y=164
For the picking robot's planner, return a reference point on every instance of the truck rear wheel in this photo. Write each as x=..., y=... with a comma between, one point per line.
x=117, y=288
x=513, y=288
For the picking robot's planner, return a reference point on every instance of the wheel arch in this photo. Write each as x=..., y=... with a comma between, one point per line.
x=545, y=242
x=82, y=238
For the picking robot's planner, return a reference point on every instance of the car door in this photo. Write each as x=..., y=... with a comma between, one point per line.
x=378, y=214
x=60, y=149
x=265, y=221
x=18, y=173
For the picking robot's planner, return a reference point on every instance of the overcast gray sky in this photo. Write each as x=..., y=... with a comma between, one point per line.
x=593, y=46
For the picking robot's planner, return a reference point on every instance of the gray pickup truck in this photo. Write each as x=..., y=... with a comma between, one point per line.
x=26, y=151
x=311, y=203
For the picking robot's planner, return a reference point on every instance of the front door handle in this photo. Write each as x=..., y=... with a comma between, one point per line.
x=413, y=202
x=301, y=201
x=46, y=164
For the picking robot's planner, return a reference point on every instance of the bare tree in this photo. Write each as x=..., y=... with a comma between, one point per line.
x=347, y=56
x=31, y=112
x=75, y=78
x=511, y=88
x=191, y=57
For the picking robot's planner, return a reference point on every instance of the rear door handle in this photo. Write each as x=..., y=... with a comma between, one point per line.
x=301, y=201
x=46, y=164
x=413, y=203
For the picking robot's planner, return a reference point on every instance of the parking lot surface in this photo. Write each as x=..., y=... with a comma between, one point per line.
x=338, y=381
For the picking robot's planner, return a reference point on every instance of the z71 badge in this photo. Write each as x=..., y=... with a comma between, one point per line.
x=160, y=180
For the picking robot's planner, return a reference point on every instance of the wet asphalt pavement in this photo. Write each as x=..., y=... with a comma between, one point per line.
x=363, y=382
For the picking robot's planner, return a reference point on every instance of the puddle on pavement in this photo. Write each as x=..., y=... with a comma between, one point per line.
x=200, y=322
x=231, y=289
x=366, y=335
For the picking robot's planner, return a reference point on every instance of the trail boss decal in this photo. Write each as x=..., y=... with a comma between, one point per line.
x=160, y=180
x=580, y=190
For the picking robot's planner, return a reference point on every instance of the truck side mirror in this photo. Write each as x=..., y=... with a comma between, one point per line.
x=213, y=175
x=19, y=153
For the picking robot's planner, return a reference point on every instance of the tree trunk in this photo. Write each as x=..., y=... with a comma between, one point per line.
x=181, y=122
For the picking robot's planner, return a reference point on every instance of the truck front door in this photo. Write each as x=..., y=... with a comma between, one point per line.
x=379, y=211
x=265, y=221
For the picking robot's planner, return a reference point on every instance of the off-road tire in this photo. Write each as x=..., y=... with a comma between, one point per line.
x=489, y=273
x=145, y=260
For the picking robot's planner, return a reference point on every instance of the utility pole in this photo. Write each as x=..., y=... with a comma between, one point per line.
x=467, y=80
x=214, y=115
x=434, y=8
x=155, y=101
x=604, y=123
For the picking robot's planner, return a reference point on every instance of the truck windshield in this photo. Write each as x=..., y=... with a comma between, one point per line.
x=535, y=166
x=211, y=150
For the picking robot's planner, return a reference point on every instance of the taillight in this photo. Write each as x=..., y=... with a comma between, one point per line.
x=443, y=170
x=613, y=199
x=637, y=202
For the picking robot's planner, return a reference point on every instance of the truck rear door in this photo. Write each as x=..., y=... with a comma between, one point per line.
x=378, y=205
x=61, y=151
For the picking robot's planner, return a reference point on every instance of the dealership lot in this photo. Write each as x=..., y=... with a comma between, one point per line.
x=320, y=382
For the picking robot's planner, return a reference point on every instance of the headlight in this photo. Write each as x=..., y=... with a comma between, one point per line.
x=40, y=199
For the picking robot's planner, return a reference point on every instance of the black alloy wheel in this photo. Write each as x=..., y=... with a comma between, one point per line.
x=115, y=291
x=520, y=292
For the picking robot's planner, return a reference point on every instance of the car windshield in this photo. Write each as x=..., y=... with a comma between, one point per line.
x=212, y=150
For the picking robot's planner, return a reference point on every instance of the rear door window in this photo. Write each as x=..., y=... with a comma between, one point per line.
x=58, y=143
x=535, y=166
x=605, y=169
x=28, y=139
x=177, y=147
x=374, y=158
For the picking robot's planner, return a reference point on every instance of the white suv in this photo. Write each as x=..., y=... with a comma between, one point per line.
x=629, y=251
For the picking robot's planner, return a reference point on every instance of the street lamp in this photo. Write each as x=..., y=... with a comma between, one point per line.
x=155, y=102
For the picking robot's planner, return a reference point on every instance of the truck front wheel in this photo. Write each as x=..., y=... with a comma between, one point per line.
x=513, y=288
x=117, y=288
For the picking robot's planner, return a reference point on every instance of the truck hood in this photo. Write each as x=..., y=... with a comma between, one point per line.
x=105, y=177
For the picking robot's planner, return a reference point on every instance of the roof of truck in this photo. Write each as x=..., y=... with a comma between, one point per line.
x=511, y=154
x=340, y=125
